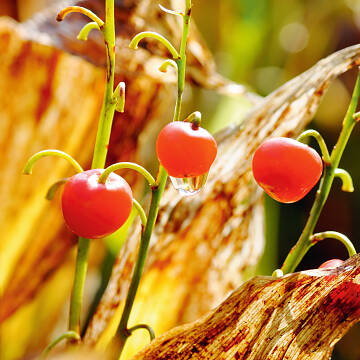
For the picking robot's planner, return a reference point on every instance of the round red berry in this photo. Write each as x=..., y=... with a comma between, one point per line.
x=333, y=263
x=93, y=210
x=185, y=150
x=286, y=169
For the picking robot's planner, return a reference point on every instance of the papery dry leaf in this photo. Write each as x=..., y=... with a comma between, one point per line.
x=202, y=245
x=299, y=316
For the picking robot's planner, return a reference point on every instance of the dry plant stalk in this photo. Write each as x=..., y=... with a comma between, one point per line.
x=202, y=245
x=300, y=316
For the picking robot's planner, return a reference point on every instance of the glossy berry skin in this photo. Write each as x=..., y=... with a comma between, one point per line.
x=185, y=150
x=333, y=263
x=93, y=210
x=286, y=169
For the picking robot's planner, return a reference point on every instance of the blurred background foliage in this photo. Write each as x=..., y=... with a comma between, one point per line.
x=263, y=44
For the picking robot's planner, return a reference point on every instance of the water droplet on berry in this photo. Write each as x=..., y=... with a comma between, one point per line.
x=190, y=185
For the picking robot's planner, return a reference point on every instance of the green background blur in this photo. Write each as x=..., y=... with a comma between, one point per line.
x=264, y=43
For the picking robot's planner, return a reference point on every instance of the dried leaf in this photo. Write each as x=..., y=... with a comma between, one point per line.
x=202, y=245
x=300, y=316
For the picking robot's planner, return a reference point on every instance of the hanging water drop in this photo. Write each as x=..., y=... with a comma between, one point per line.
x=190, y=185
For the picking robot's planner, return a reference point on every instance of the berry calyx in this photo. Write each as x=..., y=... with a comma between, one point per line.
x=333, y=263
x=286, y=169
x=185, y=150
x=93, y=210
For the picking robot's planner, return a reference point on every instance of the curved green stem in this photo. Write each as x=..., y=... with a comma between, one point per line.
x=163, y=67
x=140, y=211
x=335, y=235
x=119, y=97
x=127, y=165
x=304, y=242
x=57, y=153
x=347, y=183
x=79, y=9
x=151, y=34
x=145, y=327
x=52, y=189
x=320, y=140
x=69, y=335
x=84, y=32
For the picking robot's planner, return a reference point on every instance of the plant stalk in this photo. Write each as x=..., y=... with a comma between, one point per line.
x=157, y=192
x=304, y=243
x=99, y=158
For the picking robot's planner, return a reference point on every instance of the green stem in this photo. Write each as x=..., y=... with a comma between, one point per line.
x=99, y=158
x=151, y=34
x=304, y=243
x=69, y=335
x=181, y=62
x=157, y=192
x=335, y=235
x=57, y=153
x=320, y=140
x=84, y=32
x=140, y=211
x=145, y=327
x=78, y=286
x=347, y=183
x=127, y=165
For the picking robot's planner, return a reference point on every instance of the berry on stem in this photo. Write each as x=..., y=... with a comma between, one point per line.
x=286, y=169
x=185, y=149
x=93, y=210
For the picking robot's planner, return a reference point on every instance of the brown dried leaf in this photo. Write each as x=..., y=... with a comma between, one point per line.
x=300, y=316
x=202, y=245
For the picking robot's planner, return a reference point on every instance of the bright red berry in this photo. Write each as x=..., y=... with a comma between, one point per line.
x=286, y=169
x=185, y=150
x=93, y=210
x=333, y=263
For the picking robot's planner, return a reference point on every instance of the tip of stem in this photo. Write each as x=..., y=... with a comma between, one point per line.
x=59, y=18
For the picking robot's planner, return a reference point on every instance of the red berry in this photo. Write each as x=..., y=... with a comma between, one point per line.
x=333, y=263
x=185, y=150
x=93, y=210
x=286, y=169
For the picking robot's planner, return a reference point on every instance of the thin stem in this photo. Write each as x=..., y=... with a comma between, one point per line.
x=140, y=262
x=157, y=192
x=335, y=235
x=108, y=108
x=127, y=165
x=69, y=335
x=140, y=211
x=304, y=243
x=163, y=67
x=145, y=327
x=78, y=286
x=99, y=158
x=181, y=62
x=151, y=34
x=52, y=189
x=79, y=9
x=57, y=153
x=119, y=97
x=84, y=32
x=347, y=183
x=320, y=140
